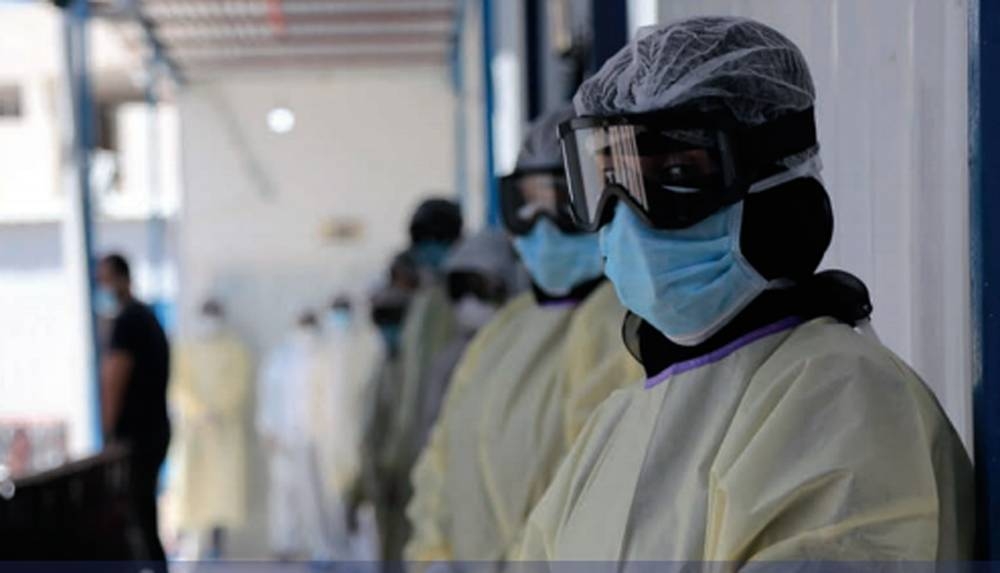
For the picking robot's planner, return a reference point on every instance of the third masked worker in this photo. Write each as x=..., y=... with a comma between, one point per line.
x=481, y=274
x=768, y=428
x=528, y=379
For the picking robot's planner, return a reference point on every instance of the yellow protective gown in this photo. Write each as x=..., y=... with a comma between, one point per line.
x=209, y=389
x=427, y=329
x=376, y=481
x=517, y=400
x=809, y=443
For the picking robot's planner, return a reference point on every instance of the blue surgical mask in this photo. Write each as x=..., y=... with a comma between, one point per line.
x=687, y=283
x=556, y=261
x=431, y=254
x=338, y=320
x=106, y=303
x=391, y=335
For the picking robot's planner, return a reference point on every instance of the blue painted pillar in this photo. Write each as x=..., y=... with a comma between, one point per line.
x=609, y=21
x=76, y=15
x=534, y=17
x=984, y=148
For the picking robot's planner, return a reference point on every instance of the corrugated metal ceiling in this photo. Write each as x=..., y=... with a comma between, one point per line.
x=208, y=38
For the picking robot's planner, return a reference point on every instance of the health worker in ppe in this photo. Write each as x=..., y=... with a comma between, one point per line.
x=378, y=483
x=512, y=409
x=428, y=327
x=481, y=274
x=429, y=324
x=210, y=395
x=769, y=428
x=297, y=520
x=343, y=365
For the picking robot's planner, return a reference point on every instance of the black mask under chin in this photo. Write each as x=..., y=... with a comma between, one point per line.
x=787, y=229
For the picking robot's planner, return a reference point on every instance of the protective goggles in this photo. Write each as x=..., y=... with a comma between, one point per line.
x=673, y=168
x=388, y=315
x=462, y=284
x=527, y=196
x=389, y=306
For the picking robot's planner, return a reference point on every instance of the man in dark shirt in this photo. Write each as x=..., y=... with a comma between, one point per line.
x=134, y=372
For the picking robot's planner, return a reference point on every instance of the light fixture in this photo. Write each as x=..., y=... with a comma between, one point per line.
x=281, y=120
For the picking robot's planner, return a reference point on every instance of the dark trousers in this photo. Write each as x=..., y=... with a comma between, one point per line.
x=145, y=472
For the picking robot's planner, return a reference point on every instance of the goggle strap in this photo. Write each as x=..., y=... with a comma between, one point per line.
x=783, y=137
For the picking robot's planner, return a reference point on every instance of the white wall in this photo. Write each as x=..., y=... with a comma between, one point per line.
x=891, y=78
x=31, y=57
x=148, y=165
x=367, y=145
x=472, y=109
x=510, y=83
x=641, y=13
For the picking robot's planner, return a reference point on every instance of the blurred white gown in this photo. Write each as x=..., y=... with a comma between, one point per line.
x=299, y=521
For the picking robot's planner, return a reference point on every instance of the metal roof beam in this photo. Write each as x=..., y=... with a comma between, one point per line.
x=171, y=33
x=166, y=10
x=211, y=69
x=249, y=41
x=188, y=56
x=132, y=11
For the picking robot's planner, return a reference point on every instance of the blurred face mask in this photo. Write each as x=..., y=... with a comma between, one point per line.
x=687, y=283
x=391, y=334
x=559, y=262
x=471, y=313
x=209, y=326
x=430, y=254
x=106, y=303
x=338, y=320
x=306, y=336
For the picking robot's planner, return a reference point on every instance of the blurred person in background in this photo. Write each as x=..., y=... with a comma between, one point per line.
x=375, y=484
x=481, y=275
x=135, y=368
x=527, y=382
x=341, y=373
x=428, y=327
x=298, y=523
x=210, y=392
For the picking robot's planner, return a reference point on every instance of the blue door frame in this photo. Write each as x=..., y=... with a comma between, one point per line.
x=984, y=162
x=76, y=16
x=609, y=21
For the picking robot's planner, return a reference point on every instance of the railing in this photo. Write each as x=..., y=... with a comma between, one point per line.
x=79, y=511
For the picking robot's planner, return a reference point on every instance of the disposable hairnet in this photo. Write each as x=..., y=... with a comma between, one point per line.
x=732, y=64
x=540, y=148
x=488, y=253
